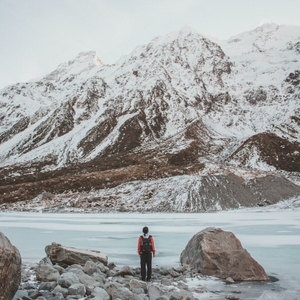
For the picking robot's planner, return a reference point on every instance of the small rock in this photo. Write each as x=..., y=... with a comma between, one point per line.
x=34, y=294
x=124, y=294
x=126, y=270
x=166, y=281
x=111, y=287
x=60, y=269
x=182, y=286
x=155, y=292
x=20, y=294
x=173, y=273
x=138, y=284
x=99, y=278
x=77, y=289
x=58, y=296
x=176, y=296
x=200, y=290
x=229, y=280
x=60, y=290
x=181, y=269
x=138, y=291
x=100, y=294
x=103, y=268
x=232, y=297
x=67, y=279
x=163, y=271
x=48, y=286
x=30, y=286
x=89, y=265
x=73, y=297
x=84, y=278
x=75, y=266
x=45, y=271
x=111, y=265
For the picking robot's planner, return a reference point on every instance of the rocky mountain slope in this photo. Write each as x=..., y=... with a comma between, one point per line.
x=170, y=109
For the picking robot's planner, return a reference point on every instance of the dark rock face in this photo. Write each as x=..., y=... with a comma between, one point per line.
x=219, y=253
x=272, y=149
x=10, y=268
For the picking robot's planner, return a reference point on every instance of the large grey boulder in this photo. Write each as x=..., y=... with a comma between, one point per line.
x=68, y=255
x=10, y=268
x=45, y=271
x=219, y=253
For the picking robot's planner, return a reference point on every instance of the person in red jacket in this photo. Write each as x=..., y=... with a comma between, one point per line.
x=145, y=250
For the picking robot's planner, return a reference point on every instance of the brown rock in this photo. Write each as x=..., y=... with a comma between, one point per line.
x=10, y=268
x=69, y=255
x=219, y=253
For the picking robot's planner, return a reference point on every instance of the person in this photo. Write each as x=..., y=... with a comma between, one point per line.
x=145, y=250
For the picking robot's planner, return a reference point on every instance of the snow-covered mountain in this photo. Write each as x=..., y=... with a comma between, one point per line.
x=168, y=107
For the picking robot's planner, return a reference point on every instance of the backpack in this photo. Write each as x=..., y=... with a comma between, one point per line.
x=146, y=246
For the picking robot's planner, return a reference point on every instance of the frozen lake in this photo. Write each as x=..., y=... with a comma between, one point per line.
x=272, y=237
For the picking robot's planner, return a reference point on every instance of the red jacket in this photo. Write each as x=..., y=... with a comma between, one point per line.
x=140, y=242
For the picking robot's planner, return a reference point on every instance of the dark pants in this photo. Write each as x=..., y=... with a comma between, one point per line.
x=146, y=259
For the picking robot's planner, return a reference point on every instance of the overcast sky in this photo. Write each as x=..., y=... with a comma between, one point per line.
x=37, y=35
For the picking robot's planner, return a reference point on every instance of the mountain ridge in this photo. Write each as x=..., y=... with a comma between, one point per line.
x=177, y=101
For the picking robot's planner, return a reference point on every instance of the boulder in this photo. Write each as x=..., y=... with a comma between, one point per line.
x=10, y=268
x=219, y=253
x=69, y=255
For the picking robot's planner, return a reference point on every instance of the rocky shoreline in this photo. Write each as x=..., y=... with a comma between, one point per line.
x=97, y=281
x=70, y=273
x=212, y=266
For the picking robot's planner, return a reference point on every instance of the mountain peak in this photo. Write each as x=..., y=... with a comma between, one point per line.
x=186, y=30
x=91, y=58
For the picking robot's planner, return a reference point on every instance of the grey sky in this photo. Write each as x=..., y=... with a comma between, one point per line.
x=37, y=35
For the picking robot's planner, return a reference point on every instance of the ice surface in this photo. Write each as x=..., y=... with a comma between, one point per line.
x=271, y=236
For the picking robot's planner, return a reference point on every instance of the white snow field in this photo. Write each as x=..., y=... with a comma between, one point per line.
x=271, y=235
